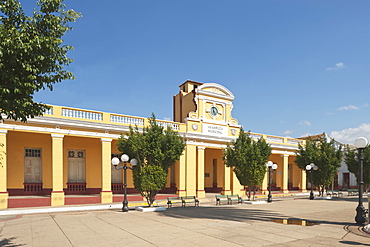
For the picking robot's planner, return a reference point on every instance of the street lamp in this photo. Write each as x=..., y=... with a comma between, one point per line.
x=115, y=162
x=311, y=167
x=271, y=168
x=360, y=144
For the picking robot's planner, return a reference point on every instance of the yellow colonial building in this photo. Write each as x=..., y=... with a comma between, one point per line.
x=68, y=151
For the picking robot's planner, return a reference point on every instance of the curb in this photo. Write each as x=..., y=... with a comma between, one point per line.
x=70, y=208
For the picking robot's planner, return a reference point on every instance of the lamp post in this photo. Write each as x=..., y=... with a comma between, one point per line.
x=360, y=144
x=271, y=167
x=311, y=167
x=115, y=162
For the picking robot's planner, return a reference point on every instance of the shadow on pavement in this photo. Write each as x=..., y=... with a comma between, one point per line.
x=353, y=243
x=235, y=214
x=8, y=242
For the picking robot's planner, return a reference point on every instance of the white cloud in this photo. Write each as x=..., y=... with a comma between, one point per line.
x=337, y=66
x=305, y=122
x=349, y=136
x=350, y=107
x=287, y=132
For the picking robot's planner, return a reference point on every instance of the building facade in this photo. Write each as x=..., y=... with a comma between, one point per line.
x=68, y=151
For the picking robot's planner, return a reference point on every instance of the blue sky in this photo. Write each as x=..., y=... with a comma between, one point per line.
x=295, y=67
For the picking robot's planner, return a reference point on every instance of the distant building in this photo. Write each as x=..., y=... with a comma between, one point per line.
x=343, y=179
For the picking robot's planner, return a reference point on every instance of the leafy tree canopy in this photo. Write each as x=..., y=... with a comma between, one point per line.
x=351, y=159
x=326, y=155
x=156, y=149
x=248, y=159
x=32, y=54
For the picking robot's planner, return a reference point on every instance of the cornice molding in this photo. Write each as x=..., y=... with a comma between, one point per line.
x=62, y=122
x=223, y=89
x=59, y=131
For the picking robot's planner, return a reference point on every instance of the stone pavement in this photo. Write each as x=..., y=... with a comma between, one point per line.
x=225, y=225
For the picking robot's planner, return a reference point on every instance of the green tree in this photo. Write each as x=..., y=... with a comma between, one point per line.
x=351, y=159
x=326, y=155
x=248, y=159
x=32, y=54
x=156, y=150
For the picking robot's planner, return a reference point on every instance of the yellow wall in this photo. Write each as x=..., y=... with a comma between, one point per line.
x=17, y=142
x=184, y=104
x=92, y=147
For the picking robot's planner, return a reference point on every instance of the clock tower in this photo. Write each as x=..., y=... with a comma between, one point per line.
x=205, y=108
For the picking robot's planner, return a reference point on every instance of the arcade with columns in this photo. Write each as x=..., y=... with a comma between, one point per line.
x=68, y=151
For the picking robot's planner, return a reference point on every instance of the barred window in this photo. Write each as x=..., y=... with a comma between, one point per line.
x=33, y=152
x=76, y=154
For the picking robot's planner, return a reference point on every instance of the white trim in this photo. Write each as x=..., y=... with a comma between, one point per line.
x=106, y=140
x=281, y=152
x=199, y=136
x=57, y=136
x=213, y=100
x=212, y=145
x=216, y=122
x=201, y=148
x=78, y=124
x=2, y=131
x=191, y=119
x=282, y=146
x=61, y=131
x=201, y=88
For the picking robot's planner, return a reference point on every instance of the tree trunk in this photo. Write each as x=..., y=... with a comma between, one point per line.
x=149, y=196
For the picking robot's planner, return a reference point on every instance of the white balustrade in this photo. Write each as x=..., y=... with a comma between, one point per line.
x=174, y=126
x=126, y=120
x=294, y=142
x=255, y=136
x=82, y=114
x=49, y=111
x=274, y=139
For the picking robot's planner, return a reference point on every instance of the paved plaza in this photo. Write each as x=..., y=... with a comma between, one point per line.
x=208, y=225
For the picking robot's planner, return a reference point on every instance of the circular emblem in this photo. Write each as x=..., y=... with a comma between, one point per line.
x=214, y=111
x=194, y=126
x=233, y=131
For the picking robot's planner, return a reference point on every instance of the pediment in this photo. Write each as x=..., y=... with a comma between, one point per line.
x=215, y=90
